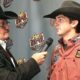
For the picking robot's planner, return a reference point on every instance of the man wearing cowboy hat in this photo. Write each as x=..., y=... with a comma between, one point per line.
x=65, y=59
x=9, y=69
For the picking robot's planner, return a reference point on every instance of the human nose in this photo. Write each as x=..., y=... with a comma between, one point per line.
x=56, y=22
x=52, y=22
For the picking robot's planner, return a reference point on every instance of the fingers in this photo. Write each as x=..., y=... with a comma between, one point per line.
x=43, y=53
x=39, y=57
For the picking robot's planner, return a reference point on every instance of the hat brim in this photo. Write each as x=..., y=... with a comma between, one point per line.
x=71, y=12
x=8, y=15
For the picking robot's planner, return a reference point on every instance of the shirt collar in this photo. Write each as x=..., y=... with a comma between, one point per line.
x=70, y=42
x=3, y=44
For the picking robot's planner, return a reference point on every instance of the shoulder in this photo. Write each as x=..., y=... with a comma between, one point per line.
x=56, y=49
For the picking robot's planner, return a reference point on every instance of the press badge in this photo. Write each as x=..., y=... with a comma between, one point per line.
x=78, y=54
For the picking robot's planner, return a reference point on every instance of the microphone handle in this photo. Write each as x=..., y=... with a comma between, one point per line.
x=44, y=48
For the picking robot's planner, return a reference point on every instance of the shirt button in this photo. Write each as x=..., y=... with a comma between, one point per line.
x=61, y=69
x=73, y=60
x=64, y=58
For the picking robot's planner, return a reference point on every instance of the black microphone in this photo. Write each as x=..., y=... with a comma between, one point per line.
x=47, y=44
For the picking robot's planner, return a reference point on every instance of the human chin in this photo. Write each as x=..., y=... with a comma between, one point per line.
x=59, y=33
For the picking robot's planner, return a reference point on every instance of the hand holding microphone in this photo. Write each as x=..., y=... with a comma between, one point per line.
x=40, y=57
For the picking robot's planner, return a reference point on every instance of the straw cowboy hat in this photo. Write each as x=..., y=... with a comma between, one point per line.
x=68, y=8
x=7, y=14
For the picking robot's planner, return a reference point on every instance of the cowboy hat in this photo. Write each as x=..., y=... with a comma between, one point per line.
x=7, y=14
x=68, y=8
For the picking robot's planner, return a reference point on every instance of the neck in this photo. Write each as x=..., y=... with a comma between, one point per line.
x=69, y=36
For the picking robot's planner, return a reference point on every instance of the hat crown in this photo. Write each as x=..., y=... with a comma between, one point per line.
x=69, y=3
x=68, y=8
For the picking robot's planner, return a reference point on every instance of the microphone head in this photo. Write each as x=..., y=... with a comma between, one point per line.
x=47, y=44
x=49, y=41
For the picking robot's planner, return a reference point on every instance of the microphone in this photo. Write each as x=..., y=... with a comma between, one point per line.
x=47, y=44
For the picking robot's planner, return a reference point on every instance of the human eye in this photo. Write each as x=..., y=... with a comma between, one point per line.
x=61, y=19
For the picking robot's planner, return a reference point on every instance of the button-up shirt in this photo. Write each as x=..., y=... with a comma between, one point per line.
x=3, y=44
x=65, y=61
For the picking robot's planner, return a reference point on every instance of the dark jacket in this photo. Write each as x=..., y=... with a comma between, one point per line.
x=24, y=71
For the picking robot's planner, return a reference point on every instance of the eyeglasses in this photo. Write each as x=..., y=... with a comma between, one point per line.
x=3, y=23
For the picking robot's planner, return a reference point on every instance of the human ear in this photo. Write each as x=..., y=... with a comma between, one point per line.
x=74, y=23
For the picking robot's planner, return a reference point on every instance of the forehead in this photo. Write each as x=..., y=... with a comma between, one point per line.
x=61, y=16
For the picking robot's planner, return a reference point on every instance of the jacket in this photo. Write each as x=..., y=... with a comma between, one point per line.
x=24, y=71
